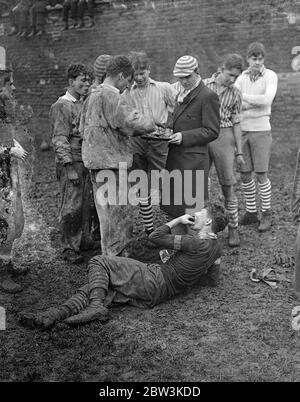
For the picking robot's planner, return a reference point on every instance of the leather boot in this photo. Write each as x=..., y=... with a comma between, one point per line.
x=95, y=310
x=248, y=218
x=233, y=236
x=265, y=221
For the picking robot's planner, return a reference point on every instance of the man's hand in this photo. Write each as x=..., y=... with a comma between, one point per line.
x=175, y=139
x=72, y=174
x=240, y=161
x=18, y=151
x=187, y=219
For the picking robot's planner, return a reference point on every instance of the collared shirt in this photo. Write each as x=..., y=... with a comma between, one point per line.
x=65, y=135
x=230, y=101
x=184, y=92
x=156, y=100
x=255, y=75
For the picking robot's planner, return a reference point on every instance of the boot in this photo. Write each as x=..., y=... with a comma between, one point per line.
x=31, y=33
x=233, y=236
x=45, y=320
x=91, y=22
x=248, y=218
x=265, y=221
x=79, y=24
x=95, y=310
x=66, y=26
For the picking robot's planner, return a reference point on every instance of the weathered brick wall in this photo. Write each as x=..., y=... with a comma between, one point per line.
x=165, y=29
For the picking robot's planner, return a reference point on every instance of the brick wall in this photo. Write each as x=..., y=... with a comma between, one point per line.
x=165, y=29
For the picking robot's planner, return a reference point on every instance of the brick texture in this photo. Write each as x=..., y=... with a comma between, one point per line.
x=166, y=30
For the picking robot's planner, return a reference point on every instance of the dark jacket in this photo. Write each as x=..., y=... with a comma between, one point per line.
x=198, y=119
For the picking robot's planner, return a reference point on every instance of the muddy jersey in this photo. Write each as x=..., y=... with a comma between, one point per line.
x=66, y=138
x=192, y=259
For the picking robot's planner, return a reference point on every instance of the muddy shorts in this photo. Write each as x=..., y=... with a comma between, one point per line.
x=222, y=152
x=128, y=280
x=256, y=151
x=149, y=154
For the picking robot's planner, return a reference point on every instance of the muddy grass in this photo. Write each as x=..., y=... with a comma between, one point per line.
x=239, y=331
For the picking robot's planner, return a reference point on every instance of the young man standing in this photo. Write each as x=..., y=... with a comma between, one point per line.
x=223, y=150
x=154, y=99
x=71, y=173
x=106, y=150
x=258, y=86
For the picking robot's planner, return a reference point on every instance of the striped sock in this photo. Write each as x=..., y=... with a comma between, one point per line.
x=232, y=211
x=147, y=213
x=249, y=190
x=98, y=276
x=265, y=195
x=77, y=302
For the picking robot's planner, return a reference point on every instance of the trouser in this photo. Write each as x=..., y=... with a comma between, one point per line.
x=19, y=17
x=82, y=5
x=70, y=6
x=37, y=15
x=116, y=220
x=75, y=209
x=11, y=210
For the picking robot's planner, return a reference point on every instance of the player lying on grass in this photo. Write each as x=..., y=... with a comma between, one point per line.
x=123, y=280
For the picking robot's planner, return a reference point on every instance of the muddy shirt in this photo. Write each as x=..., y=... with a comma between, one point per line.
x=109, y=123
x=192, y=259
x=65, y=137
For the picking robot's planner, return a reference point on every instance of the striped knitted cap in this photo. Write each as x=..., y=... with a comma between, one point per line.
x=185, y=66
x=100, y=66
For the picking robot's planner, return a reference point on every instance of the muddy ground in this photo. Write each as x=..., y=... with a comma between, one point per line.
x=238, y=331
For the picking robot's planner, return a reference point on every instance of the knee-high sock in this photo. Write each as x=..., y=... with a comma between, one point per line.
x=76, y=303
x=98, y=280
x=265, y=195
x=249, y=190
x=146, y=212
x=232, y=210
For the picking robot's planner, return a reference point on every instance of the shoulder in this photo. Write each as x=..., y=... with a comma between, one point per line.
x=209, y=93
x=271, y=74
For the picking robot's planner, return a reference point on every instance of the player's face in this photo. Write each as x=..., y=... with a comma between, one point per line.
x=81, y=84
x=256, y=62
x=189, y=81
x=123, y=82
x=200, y=219
x=229, y=76
x=141, y=77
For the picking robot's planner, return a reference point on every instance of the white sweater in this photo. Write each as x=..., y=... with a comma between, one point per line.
x=257, y=100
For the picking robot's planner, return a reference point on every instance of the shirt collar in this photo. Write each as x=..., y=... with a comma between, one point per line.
x=254, y=77
x=109, y=86
x=151, y=81
x=69, y=97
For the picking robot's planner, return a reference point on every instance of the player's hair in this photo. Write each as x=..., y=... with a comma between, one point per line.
x=233, y=60
x=119, y=64
x=139, y=60
x=75, y=70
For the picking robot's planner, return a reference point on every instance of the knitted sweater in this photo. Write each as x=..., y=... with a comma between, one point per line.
x=257, y=100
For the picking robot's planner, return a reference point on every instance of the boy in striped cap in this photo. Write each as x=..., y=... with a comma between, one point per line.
x=228, y=145
x=258, y=86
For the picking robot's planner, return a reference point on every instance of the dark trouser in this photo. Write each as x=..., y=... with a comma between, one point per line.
x=19, y=17
x=82, y=5
x=75, y=210
x=70, y=5
x=37, y=14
